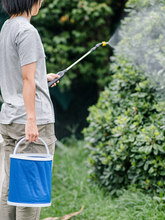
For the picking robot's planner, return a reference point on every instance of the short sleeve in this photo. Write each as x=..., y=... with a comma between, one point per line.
x=29, y=46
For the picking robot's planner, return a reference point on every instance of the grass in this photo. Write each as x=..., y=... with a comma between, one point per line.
x=71, y=190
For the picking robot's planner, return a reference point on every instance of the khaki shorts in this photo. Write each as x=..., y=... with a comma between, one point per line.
x=12, y=134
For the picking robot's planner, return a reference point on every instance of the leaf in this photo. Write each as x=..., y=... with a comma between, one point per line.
x=142, y=149
x=162, y=173
x=142, y=95
x=148, y=149
x=158, y=199
x=151, y=170
x=140, y=164
x=146, y=166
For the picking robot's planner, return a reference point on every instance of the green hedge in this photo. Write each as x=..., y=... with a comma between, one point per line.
x=125, y=136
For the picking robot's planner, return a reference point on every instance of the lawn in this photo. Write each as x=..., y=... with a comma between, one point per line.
x=71, y=190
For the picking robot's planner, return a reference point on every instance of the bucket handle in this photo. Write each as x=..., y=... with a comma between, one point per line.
x=17, y=145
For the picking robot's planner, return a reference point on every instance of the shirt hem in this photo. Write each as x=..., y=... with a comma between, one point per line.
x=24, y=122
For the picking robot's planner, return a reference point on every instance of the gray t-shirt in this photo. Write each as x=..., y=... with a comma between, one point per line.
x=20, y=44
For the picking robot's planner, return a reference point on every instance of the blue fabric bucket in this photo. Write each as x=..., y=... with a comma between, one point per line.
x=30, y=179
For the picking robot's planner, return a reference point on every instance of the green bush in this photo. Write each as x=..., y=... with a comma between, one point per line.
x=126, y=136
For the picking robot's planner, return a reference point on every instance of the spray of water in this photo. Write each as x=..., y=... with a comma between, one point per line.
x=115, y=39
x=141, y=38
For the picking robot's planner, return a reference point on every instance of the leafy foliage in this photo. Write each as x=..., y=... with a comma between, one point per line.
x=70, y=186
x=69, y=29
x=140, y=4
x=125, y=134
x=144, y=43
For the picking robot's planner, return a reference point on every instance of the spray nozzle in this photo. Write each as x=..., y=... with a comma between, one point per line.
x=104, y=43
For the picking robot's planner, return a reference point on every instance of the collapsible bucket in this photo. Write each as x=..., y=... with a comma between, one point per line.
x=30, y=178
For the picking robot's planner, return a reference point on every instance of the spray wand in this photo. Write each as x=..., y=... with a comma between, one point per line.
x=62, y=73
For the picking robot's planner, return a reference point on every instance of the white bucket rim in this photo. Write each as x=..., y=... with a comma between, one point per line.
x=29, y=204
x=32, y=156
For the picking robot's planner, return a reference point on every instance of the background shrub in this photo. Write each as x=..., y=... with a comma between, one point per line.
x=70, y=28
x=125, y=134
